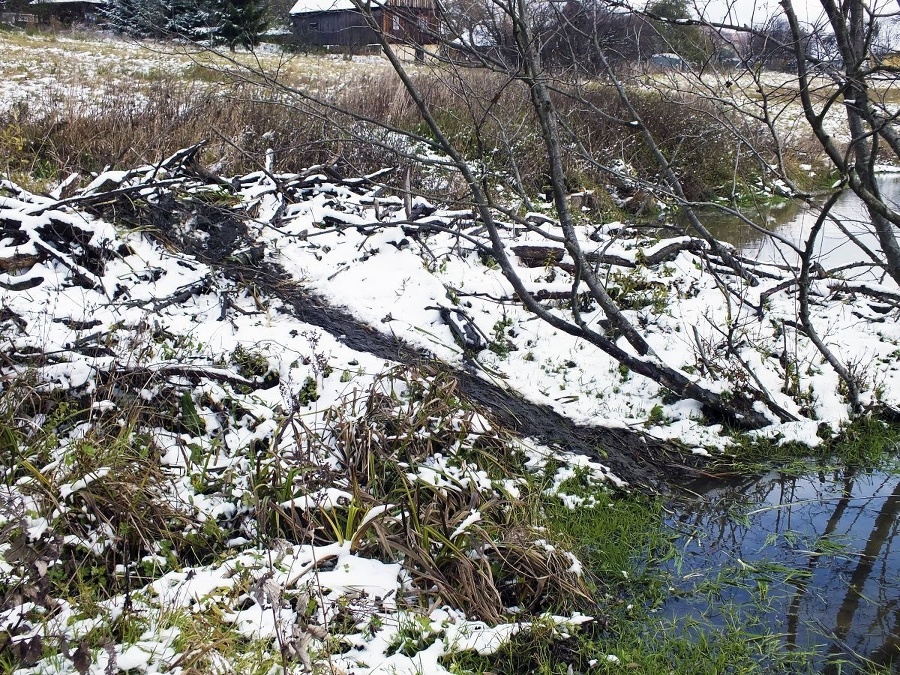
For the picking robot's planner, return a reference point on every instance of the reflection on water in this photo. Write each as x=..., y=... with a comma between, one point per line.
x=793, y=222
x=826, y=548
x=735, y=231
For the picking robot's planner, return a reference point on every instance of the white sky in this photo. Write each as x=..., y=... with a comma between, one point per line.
x=749, y=12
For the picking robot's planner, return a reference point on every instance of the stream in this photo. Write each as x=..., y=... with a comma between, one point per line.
x=813, y=558
x=792, y=220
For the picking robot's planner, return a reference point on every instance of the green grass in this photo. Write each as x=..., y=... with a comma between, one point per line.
x=650, y=617
x=867, y=443
x=625, y=546
x=616, y=538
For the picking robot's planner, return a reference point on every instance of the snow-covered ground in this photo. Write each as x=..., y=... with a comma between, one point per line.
x=86, y=304
x=396, y=283
x=47, y=72
x=123, y=323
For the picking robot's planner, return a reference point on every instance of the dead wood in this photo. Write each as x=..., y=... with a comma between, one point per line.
x=841, y=286
x=98, y=197
x=18, y=262
x=465, y=332
x=190, y=372
x=765, y=295
x=543, y=256
x=539, y=256
x=183, y=295
x=33, y=282
x=16, y=236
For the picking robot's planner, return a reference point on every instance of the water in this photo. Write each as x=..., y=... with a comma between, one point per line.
x=814, y=558
x=792, y=222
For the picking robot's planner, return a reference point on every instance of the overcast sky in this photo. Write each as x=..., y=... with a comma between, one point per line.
x=749, y=12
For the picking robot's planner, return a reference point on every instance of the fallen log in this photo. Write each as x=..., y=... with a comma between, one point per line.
x=18, y=262
x=543, y=256
x=25, y=285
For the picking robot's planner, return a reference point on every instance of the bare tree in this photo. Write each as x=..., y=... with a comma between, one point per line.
x=573, y=68
x=871, y=121
x=520, y=64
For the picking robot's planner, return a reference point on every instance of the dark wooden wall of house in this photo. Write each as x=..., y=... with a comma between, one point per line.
x=344, y=28
x=67, y=12
x=412, y=22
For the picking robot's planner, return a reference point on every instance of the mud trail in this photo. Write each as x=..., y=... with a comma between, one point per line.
x=216, y=236
x=637, y=457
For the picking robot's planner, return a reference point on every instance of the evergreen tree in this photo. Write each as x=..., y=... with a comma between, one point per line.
x=194, y=20
x=690, y=42
x=138, y=18
x=229, y=22
x=14, y=5
x=241, y=22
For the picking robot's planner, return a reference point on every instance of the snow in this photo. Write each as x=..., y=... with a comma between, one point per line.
x=66, y=489
x=360, y=270
x=120, y=303
x=561, y=371
x=471, y=519
x=357, y=248
x=310, y=6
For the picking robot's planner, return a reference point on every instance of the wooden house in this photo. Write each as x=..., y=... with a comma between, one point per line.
x=327, y=23
x=68, y=12
x=18, y=19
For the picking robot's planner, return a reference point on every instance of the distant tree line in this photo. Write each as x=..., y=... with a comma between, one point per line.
x=14, y=5
x=582, y=28
x=220, y=22
x=585, y=34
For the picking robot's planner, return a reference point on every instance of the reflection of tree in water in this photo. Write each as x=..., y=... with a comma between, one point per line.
x=792, y=220
x=889, y=652
x=793, y=613
x=814, y=509
x=880, y=534
x=735, y=231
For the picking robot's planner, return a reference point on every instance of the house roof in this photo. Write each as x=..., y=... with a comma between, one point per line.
x=67, y=2
x=309, y=6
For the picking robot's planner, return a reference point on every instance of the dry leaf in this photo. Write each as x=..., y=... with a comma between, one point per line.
x=81, y=659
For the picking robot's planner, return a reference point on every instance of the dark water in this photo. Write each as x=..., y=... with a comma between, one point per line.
x=814, y=558
x=792, y=222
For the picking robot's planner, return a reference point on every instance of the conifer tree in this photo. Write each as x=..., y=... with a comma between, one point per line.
x=194, y=20
x=138, y=18
x=228, y=22
x=241, y=22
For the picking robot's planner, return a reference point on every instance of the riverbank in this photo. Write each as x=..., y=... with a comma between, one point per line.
x=274, y=403
x=285, y=467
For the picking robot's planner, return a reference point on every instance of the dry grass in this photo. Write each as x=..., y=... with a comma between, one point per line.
x=239, y=124
x=420, y=463
x=418, y=460
x=119, y=103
